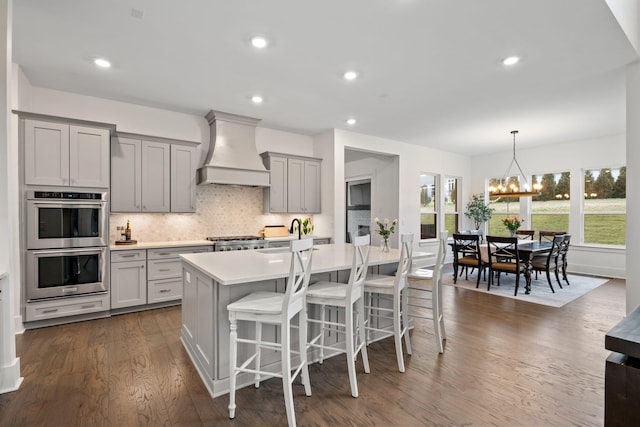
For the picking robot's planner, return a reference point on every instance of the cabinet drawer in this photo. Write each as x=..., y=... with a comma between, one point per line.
x=164, y=253
x=136, y=255
x=67, y=307
x=164, y=269
x=164, y=290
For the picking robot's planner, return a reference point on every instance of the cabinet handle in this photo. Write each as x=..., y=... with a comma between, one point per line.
x=88, y=306
x=51, y=310
x=164, y=253
x=142, y=267
x=164, y=291
x=165, y=269
x=127, y=256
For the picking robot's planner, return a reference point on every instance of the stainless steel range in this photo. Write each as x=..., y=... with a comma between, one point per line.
x=237, y=243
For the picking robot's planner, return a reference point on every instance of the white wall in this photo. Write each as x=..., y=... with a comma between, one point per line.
x=573, y=157
x=633, y=192
x=412, y=161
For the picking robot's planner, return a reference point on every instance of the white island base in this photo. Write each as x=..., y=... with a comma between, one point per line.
x=213, y=280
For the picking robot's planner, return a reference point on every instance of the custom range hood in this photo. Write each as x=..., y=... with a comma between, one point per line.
x=233, y=158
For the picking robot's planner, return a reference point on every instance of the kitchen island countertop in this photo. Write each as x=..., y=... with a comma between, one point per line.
x=234, y=267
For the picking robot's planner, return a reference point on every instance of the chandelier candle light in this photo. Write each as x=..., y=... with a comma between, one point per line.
x=385, y=231
x=513, y=190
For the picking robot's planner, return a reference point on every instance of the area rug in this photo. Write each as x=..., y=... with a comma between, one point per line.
x=540, y=291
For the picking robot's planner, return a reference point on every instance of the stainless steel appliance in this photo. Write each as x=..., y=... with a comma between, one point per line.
x=64, y=272
x=67, y=235
x=66, y=219
x=237, y=243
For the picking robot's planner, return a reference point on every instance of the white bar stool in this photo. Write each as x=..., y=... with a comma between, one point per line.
x=275, y=308
x=392, y=288
x=345, y=296
x=425, y=293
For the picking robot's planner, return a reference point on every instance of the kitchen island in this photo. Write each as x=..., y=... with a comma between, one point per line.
x=213, y=280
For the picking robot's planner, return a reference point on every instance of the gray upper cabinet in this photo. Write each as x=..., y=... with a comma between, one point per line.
x=275, y=197
x=183, y=178
x=152, y=176
x=63, y=154
x=295, y=184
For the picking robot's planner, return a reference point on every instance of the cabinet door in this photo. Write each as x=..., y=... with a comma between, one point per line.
x=155, y=176
x=183, y=178
x=295, y=185
x=311, y=187
x=46, y=153
x=88, y=157
x=128, y=284
x=126, y=175
x=276, y=195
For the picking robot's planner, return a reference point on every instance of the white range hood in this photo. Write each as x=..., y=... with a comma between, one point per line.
x=233, y=158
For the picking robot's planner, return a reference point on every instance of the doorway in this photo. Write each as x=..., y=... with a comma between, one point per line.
x=358, y=202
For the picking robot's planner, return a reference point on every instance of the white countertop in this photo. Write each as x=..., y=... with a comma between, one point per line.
x=229, y=268
x=167, y=244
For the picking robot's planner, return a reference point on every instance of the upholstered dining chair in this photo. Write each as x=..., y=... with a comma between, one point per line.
x=562, y=257
x=504, y=258
x=547, y=236
x=549, y=262
x=466, y=254
x=525, y=234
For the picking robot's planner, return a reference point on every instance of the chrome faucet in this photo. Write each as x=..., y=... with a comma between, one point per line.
x=299, y=227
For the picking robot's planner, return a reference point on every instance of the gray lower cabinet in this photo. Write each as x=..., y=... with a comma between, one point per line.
x=128, y=278
x=286, y=243
x=143, y=277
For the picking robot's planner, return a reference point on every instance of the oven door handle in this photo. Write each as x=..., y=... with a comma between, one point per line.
x=69, y=204
x=69, y=251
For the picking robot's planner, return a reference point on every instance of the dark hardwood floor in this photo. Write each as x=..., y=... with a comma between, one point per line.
x=506, y=362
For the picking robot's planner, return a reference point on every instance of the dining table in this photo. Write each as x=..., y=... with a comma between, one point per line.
x=527, y=249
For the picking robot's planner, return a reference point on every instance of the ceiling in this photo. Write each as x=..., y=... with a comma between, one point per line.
x=430, y=72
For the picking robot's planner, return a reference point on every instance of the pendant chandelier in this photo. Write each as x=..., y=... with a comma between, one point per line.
x=522, y=188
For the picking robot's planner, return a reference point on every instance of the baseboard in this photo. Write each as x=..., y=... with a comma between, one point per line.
x=10, y=378
x=18, y=326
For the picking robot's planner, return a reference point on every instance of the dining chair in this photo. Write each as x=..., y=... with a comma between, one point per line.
x=547, y=236
x=466, y=253
x=562, y=257
x=425, y=293
x=274, y=308
x=525, y=234
x=393, y=289
x=549, y=262
x=504, y=258
x=348, y=298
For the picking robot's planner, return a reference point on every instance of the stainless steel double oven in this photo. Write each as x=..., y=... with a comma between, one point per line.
x=66, y=236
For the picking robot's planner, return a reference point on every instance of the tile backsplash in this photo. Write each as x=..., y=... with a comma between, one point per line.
x=221, y=210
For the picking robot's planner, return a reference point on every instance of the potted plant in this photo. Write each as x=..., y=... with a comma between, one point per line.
x=478, y=210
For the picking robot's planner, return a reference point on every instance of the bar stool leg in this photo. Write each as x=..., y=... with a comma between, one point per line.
x=286, y=373
x=351, y=363
x=302, y=339
x=233, y=363
x=362, y=336
x=405, y=319
x=323, y=310
x=396, y=333
x=258, y=353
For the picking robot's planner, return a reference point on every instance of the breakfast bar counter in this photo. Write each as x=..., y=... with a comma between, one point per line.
x=213, y=280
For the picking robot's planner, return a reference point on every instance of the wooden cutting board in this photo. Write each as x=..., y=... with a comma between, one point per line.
x=276, y=231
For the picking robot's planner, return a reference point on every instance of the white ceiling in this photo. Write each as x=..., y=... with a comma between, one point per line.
x=430, y=70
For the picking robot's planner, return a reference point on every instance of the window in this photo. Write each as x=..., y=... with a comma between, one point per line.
x=605, y=206
x=503, y=207
x=428, y=206
x=550, y=210
x=451, y=205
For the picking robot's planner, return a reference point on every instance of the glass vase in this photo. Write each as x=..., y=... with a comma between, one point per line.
x=384, y=244
x=512, y=233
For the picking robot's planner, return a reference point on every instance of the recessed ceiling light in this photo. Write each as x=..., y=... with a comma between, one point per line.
x=259, y=42
x=256, y=99
x=351, y=122
x=102, y=63
x=350, y=75
x=511, y=60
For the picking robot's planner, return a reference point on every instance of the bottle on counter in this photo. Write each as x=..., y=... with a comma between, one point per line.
x=127, y=231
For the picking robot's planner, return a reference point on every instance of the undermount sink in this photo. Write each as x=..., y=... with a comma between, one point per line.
x=281, y=250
